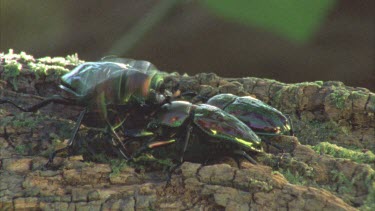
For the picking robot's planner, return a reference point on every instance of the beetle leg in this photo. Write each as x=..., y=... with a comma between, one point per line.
x=71, y=140
x=154, y=144
x=137, y=133
x=135, y=136
x=181, y=160
x=188, y=93
x=151, y=145
x=170, y=172
x=143, y=148
x=186, y=142
x=273, y=144
x=116, y=141
x=54, y=99
x=126, y=157
x=180, y=95
x=245, y=155
x=76, y=128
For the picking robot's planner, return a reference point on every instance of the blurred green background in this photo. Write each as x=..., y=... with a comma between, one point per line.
x=287, y=40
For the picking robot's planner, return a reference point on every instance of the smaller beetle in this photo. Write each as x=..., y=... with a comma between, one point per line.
x=175, y=122
x=263, y=119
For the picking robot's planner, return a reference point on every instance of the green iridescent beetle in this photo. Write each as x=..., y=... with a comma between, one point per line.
x=219, y=132
x=109, y=90
x=261, y=118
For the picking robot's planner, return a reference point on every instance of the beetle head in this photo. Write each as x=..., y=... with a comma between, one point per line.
x=70, y=87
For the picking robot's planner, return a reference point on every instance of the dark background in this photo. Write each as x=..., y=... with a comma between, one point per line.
x=192, y=39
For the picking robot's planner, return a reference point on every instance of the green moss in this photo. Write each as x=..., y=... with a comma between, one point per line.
x=319, y=83
x=11, y=56
x=316, y=83
x=100, y=158
x=314, y=132
x=341, y=152
x=370, y=106
x=148, y=160
x=29, y=120
x=21, y=149
x=56, y=139
x=370, y=200
x=117, y=165
x=58, y=61
x=41, y=69
x=56, y=66
x=288, y=105
x=45, y=66
x=73, y=59
x=65, y=127
x=341, y=183
x=21, y=120
x=293, y=178
x=339, y=98
x=25, y=57
x=268, y=159
x=143, y=162
x=289, y=96
x=258, y=184
x=359, y=94
x=11, y=71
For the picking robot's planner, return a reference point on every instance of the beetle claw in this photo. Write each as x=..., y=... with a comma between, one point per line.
x=168, y=183
x=170, y=172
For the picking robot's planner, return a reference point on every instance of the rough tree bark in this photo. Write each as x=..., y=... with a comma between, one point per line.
x=328, y=165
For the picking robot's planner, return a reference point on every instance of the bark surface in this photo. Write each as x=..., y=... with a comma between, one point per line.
x=328, y=165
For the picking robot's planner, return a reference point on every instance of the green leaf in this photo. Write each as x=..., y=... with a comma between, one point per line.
x=296, y=20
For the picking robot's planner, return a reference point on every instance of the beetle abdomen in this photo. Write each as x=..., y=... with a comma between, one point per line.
x=257, y=115
x=87, y=76
x=219, y=124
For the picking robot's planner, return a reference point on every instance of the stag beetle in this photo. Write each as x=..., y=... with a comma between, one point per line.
x=175, y=122
x=109, y=89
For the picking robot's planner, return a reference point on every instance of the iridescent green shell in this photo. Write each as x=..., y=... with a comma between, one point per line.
x=105, y=86
x=211, y=120
x=260, y=117
x=220, y=124
x=141, y=65
x=115, y=83
x=173, y=114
